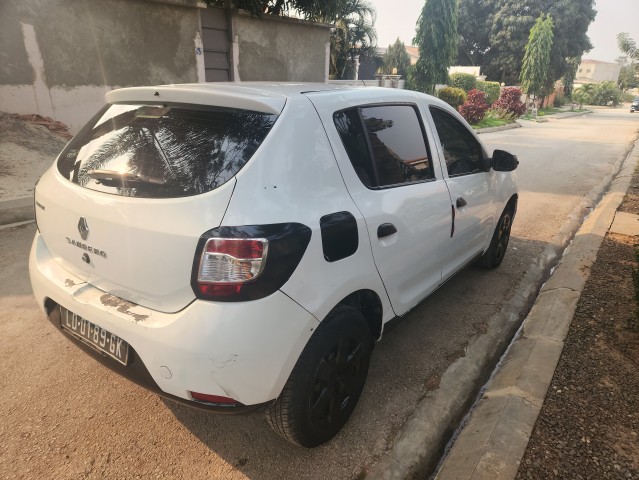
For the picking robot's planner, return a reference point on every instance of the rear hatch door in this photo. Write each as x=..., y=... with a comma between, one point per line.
x=129, y=197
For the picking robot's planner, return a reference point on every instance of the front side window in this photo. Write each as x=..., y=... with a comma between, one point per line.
x=462, y=152
x=385, y=144
x=162, y=151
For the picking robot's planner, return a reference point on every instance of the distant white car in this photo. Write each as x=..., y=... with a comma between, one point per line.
x=237, y=246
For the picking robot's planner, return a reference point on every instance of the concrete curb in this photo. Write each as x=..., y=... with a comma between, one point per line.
x=494, y=439
x=498, y=129
x=16, y=210
x=560, y=116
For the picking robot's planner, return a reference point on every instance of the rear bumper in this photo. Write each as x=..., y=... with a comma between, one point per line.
x=244, y=351
x=136, y=372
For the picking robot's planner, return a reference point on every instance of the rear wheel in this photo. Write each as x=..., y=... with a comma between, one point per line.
x=327, y=380
x=495, y=254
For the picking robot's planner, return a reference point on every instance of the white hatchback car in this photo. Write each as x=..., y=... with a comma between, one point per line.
x=237, y=246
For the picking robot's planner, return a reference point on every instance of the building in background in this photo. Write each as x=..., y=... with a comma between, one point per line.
x=596, y=71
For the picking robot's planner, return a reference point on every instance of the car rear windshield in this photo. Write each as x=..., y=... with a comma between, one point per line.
x=163, y=151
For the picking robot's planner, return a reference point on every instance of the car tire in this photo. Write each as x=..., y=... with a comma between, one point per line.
x=493, y=257
x=326, y=382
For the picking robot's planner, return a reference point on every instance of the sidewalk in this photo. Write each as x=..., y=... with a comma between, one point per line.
x=495, y=436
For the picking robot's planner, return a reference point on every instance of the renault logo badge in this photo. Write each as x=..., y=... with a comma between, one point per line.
x=83, y=228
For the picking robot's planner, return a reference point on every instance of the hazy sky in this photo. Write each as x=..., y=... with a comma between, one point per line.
x=397, y=18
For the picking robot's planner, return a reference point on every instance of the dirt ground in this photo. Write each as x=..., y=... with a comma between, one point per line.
x=27, y=149
x=589, y=424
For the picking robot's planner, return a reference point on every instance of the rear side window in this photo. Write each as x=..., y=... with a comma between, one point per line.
x=385, y=144
x=163, y=151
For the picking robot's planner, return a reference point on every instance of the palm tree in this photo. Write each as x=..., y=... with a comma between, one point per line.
x=353, y=36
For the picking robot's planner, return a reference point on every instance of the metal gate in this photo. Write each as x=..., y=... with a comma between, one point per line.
x=215, y=39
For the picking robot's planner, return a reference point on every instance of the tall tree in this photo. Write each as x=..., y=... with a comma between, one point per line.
x=473, y=28
x=628, y=76
x=570, y=75
x=436, y=37
x=511, y=21
x=397, y=57
x=628, y=46
x=536, y=63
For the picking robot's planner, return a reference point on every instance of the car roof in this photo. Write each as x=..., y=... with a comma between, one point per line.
x=267, y=97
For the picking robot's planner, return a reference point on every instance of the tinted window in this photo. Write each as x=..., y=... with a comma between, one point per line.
x=462, y=151
x=161, y=151
x=391, y=150
x=351, y=131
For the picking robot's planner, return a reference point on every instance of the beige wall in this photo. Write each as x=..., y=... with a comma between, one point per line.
x=591, y=72
x=279, y=49
x=61, y=56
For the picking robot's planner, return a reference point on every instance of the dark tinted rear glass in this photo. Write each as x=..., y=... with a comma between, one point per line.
x=160, y=151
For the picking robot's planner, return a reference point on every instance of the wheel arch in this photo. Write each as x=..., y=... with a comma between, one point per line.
x=369, y=304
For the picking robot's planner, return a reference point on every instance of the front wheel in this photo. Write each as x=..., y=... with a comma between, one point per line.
x=326, y=382
x=499, y=243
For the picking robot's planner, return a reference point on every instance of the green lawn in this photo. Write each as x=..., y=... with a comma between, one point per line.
x=491, y=122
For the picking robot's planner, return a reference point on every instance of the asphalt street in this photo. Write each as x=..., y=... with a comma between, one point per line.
x=65, y=416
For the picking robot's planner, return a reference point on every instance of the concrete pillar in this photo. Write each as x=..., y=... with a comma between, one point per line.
x=40, y=89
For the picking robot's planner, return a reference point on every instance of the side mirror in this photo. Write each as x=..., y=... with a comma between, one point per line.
x=503, y=161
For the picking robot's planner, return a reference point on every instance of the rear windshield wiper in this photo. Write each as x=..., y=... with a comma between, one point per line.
x=111, y=178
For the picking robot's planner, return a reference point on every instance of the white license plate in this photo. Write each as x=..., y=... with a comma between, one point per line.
x=96, y=337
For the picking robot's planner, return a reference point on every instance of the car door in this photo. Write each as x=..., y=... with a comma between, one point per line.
x=405, y=205
x=471, y=189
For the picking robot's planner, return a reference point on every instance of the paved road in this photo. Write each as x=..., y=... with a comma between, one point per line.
x=64, y=416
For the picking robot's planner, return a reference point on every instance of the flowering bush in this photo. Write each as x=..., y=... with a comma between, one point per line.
x=510, y=100
x=475, y=107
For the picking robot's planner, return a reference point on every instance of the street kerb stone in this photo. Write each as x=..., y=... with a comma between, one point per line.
x=625, y=224
x=16, y=210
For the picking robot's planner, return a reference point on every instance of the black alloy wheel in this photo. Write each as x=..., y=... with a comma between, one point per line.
x=493, y=257
x=327, y=380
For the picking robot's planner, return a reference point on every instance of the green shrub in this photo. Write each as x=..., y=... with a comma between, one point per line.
x=474, y=109
x=559, y=101
x=606, y=93
x=465, y=81
x=627, y=97
x=452, y=96
x=583, y=95
x=491, y=89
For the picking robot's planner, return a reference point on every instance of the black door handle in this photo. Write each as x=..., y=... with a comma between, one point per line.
x=385, y=229
x=461, y=202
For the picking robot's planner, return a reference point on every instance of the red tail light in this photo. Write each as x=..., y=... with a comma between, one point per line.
x=230, y=262
x=227, y=263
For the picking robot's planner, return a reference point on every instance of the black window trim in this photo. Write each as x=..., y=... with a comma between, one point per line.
x=415, y=107
x=483, y=151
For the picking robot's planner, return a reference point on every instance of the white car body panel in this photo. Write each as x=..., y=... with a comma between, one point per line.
x=305, y=181
x=244, y=351
x=149, y=244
